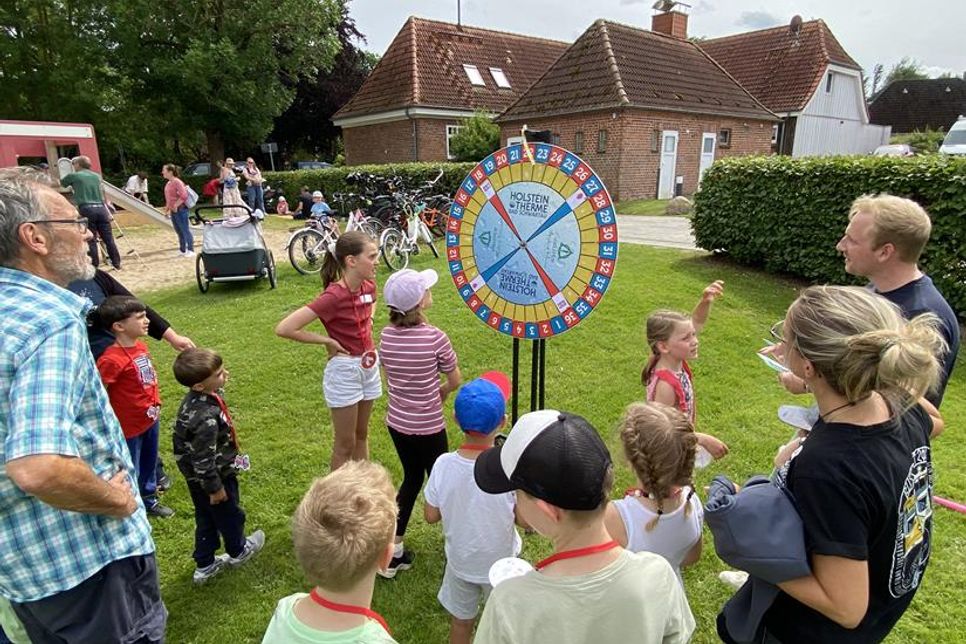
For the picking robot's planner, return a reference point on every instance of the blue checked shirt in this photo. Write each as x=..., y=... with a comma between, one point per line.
x=52, y=402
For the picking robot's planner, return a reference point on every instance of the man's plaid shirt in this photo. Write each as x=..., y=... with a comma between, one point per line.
x=52, y=402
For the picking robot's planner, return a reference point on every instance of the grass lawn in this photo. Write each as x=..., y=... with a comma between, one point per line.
x=653, y=207
x=594, y=370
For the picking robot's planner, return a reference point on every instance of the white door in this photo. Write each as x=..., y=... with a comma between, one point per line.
x=669, y=164
x=707, y=152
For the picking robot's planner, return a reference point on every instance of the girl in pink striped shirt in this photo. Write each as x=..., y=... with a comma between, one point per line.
x=413, y=354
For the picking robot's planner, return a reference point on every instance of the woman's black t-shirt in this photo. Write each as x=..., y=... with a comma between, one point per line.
x=864, y=493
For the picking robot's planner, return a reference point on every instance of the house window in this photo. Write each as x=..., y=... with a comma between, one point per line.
x=451, y=131
x=499, y=77
x=579, y=142
x=774, y=134
x=724, y=137
x=655, y=140
x=555, y=138
x=476, y=78
x=828, y=83
x=601, y=141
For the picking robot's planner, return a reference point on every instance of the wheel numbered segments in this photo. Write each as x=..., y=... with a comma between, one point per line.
x=531, y=240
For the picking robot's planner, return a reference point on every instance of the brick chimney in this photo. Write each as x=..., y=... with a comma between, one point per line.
x=670, y=21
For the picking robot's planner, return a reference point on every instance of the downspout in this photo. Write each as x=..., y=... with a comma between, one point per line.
x=415, y=136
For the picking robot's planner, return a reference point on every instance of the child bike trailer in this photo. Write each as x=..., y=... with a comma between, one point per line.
x=233, y=249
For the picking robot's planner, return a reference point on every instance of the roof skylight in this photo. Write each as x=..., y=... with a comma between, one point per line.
x=499, y=77
x=476, y=78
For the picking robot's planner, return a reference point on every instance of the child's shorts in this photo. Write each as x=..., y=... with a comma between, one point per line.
x=345, y=381
x=461, y=598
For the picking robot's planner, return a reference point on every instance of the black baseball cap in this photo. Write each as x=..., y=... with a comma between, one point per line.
x=551, y=455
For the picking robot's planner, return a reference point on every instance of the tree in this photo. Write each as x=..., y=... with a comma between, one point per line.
x=906, y=69
x=478, y=137
x=872, y=84
x=307, y=124
x=224, y=68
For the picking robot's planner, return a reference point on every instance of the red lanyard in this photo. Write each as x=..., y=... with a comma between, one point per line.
x=360, y=322
x=349, y=608
x=231, y=425
x=474, y=448
x=577, y=552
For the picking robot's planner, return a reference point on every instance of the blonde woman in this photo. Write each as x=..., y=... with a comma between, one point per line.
x=862, y=478
x=231, y=195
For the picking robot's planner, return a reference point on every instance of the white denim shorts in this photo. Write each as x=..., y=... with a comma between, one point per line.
x=345, y=381
x=461, y=598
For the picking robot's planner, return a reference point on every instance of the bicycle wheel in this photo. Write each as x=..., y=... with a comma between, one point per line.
x=395, y=250
x=306, y=251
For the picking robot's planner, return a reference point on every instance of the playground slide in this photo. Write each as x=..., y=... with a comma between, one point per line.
x=123, y=200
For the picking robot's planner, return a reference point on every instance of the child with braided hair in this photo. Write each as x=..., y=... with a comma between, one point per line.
x=662, y=514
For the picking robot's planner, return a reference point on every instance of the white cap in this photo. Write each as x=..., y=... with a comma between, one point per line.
x=404, y=289
x=317, y=193
x=282, y=198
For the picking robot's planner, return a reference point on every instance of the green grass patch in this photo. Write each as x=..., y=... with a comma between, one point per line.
x=654, y=207
x=275, y=395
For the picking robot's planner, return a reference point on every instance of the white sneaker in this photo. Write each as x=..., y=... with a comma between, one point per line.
x=201, y=575
x=253, y=544
x=189, y=253
x=734, y=578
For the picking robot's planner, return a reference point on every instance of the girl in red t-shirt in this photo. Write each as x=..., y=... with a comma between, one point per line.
x=351, y=380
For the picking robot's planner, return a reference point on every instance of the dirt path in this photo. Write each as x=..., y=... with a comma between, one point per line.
x=161, y=265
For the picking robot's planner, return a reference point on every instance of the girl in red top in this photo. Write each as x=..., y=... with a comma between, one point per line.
x=351, y=380
x=673, y=339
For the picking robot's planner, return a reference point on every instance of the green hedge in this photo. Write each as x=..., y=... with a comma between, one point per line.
x=786, y=215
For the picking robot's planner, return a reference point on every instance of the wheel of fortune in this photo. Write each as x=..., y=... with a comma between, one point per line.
x=532, y=240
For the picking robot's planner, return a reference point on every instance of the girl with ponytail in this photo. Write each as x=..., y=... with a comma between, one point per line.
x=862, y=478
x=662, y=513
x=351, y=380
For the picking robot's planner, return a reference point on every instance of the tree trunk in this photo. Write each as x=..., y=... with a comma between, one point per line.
x=216, y=146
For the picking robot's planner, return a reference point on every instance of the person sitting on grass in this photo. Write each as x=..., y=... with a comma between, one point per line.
x=590, y=589
x=206, y=449
x=478, y=527
x=342, y=533
x=132, y=387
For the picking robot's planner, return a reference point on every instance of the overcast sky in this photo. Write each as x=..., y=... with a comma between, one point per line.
x=872, y=31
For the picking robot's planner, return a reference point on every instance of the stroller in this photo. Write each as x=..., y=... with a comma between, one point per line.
x=232, y=250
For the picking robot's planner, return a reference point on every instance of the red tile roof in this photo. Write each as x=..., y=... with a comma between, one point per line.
x=780, y=68
x=613, y=65
x=423, y=66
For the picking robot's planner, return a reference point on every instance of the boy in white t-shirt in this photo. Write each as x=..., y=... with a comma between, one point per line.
x=478, y=527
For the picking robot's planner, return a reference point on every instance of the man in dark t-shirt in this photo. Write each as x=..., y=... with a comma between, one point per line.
x=883, y=242
x=304, y=207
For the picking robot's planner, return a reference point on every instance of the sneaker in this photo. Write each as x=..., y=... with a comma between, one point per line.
x=189, y=253
x=164, y=483
x=202, y=575
x=734, y=578
x=253, y=544
x=160, y=511
x=404, y=562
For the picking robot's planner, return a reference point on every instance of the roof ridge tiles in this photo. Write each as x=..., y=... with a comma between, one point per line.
x=512, y=34
x=612, y=63
x=414, y=56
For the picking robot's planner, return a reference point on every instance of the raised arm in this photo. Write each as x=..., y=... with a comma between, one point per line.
x=293, y=328
x=699, y=317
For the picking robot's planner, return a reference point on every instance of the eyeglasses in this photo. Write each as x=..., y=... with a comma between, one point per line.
x=777, y=329
x=80, y=222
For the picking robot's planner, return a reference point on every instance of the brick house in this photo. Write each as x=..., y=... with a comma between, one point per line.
x=433, y=75
x=648, y=110
x=803, y=74
x=911, y=105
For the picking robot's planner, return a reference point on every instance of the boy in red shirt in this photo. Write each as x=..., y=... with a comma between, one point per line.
x=132, y=387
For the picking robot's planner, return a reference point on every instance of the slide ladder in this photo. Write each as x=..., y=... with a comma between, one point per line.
x=123, y=200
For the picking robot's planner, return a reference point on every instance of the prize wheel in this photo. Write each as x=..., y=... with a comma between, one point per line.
x=531, y=240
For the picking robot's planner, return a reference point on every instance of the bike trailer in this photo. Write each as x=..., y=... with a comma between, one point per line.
x=232, y=250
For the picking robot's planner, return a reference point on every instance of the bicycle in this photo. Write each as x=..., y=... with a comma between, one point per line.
x=400, y=241
x=307, y=247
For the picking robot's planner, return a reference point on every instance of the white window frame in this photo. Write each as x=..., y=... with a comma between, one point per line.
x=451, y=131
x=499, y=78
x=774, y=134
x=474, y=75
